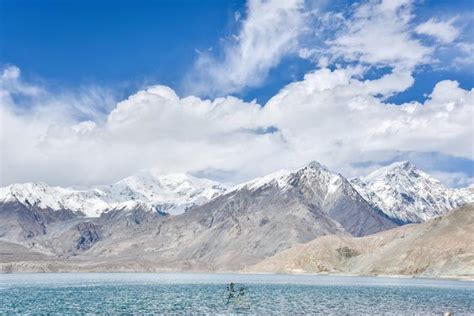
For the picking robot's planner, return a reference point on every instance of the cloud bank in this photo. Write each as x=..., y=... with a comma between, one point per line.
x=331, y=116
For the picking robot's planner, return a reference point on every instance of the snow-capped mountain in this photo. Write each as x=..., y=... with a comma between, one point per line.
x=409, y=195
x=314, y=188
x=327, y=180
x=401, y=191
x=168, y=193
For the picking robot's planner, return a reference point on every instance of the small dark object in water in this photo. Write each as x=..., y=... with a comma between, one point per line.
x=233, y=295
x=230, y=292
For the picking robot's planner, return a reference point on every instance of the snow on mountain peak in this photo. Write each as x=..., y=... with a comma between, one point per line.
x=396, y=171
x=278, y=178
x=313, y=172
x=41, y=195
x=182, y=188
x=315, y=165
x=171, y=193
x=407, y=194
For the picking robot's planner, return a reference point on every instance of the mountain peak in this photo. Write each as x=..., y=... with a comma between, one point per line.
x=313, y=173
x=319, y=173
x=316, y=166
x=407, y=194
x=278, y=177
x=404, y=165
x=396, y=170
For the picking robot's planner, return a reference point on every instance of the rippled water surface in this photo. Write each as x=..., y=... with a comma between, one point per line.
x=77, y=293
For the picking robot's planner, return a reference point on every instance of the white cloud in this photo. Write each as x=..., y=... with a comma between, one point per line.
x=10, y=81
x=11, y=73
x=91, y=102
x=331, y=116
x=379, y=33
x=465, y=56
x=269, y=32
x=453, y=179
x=443, y=31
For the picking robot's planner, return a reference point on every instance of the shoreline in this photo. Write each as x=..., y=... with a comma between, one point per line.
x=256, y=273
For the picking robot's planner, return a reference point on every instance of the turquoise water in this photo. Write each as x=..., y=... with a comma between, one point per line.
x=79, y=293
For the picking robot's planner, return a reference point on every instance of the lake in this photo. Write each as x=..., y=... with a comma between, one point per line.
x=78, y=293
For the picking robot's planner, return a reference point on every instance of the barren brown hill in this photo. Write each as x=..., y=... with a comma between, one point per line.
x=443, y=246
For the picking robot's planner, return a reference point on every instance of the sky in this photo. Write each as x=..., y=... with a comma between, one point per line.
x=93, y=91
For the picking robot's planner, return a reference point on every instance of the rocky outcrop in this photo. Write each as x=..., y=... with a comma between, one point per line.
x=89, y=234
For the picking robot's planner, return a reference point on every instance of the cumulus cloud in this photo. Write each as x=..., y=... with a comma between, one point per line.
x=331, y=115
x=443, y=31
x=28, y=111
x=269, y=32
x=336, y=117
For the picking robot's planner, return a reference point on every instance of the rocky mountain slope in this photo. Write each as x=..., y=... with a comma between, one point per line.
x=319, y=189
x=409, y=195
x=443, y=246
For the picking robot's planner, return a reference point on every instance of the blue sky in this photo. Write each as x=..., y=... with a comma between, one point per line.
x=124, y=44
x=128, y=44
x=201, y=48
x=118, y=43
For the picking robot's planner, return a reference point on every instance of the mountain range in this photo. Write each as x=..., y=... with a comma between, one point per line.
x=168, y=193
x=182, y=222
x=401, y=191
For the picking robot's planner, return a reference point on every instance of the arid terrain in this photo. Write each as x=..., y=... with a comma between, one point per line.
x=441, y=247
